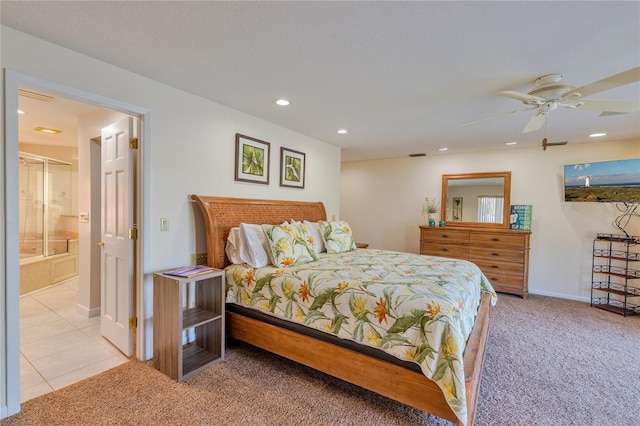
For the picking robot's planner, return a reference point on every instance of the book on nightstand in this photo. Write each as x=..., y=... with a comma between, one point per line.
x=189, y=271
x=520, y=217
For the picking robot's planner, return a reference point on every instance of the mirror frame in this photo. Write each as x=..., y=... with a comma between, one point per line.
x=506, y=193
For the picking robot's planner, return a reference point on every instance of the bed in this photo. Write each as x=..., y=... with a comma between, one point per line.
x=355, y=363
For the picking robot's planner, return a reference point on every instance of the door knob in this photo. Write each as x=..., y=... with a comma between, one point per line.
x=101, y=244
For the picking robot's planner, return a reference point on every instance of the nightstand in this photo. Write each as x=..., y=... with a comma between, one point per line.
x=188, y=323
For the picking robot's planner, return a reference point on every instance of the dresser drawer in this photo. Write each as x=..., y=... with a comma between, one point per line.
x=489, y=267
x=498, y=240
x=507, y=284
x=501, y=254
x=496, y=254
x=449, y=236
x=445, y=250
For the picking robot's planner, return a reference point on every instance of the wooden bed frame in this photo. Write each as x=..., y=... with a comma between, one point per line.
x=393, y=381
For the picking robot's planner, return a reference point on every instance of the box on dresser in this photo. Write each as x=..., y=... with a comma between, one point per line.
x=501, y=254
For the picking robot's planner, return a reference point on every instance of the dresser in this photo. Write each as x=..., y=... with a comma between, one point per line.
x=501, y=254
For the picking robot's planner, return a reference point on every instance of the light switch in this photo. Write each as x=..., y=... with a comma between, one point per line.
x=164, y=224
x=84, y=217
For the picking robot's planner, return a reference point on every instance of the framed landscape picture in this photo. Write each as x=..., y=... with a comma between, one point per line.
x=252, y=160
x=616, y=181
x=292, y=164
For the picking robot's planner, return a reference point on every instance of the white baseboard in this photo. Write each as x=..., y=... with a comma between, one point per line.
x=560, y=296
x=87, y=312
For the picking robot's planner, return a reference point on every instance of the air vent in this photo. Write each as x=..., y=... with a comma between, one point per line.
x=420, y=154
x=35, y=95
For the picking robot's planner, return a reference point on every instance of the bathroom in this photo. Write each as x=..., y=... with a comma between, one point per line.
x=47, y=189
x=61, y=340
x=48, y=234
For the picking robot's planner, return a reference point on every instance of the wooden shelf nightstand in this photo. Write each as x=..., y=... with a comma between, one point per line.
x=188, y=323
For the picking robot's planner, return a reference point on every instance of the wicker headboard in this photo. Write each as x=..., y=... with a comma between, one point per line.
x=221, y=214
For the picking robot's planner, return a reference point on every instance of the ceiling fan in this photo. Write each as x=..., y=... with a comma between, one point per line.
x=549, y=92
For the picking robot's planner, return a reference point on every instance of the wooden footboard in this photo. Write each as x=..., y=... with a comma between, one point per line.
x=393, y=381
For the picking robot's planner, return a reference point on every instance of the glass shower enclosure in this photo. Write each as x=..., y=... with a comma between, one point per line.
x=44, y=206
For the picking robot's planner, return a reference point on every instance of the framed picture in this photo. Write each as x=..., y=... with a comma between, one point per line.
x=252, y=159
x=616, y=181
x=292, y=168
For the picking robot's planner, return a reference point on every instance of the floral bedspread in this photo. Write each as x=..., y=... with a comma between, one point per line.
x=417, y=308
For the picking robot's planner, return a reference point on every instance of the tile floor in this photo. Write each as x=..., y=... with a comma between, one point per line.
x=59, y=346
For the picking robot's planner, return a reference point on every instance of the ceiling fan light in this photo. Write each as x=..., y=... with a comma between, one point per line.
x=511, y=143
x=597, y=135
x=282, y=102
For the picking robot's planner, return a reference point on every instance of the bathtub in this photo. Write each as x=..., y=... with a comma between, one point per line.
x=38, y=271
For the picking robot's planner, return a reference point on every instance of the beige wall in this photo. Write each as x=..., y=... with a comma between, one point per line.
x=382, y=200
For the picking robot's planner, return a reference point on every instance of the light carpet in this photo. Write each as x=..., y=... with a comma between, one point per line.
x=549, y=362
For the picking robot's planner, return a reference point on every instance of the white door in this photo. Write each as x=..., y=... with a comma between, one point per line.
x=116, y=186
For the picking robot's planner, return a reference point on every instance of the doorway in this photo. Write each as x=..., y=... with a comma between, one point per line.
x=13, y=82
x=60, y=341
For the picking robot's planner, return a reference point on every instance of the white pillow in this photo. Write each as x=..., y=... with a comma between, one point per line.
x=314, y=231
x=254, y=247
x=234, y=244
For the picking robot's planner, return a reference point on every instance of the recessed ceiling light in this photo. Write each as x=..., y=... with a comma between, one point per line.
x=597, y=135
x=282, y=102
x=20, y=111
x=47, y=130
x=342, y=131
x=511, y=143
x=444, y=148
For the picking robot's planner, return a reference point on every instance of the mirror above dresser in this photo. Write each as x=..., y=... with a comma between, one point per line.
x=478, y=199
x=475, y=227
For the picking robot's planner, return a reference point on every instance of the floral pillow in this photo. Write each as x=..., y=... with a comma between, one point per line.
x=290, y=244
x=337, y=236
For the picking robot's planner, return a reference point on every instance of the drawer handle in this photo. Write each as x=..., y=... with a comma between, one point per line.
x=495, y=254
x=495, y=266
x=445, y=236
x=445, y=249
x=495, y=239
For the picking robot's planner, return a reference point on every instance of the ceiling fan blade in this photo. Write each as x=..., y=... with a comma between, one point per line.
x=607, y=106
x=621, y=79
x=524, y=97
x=497, y=115
x=536, y=122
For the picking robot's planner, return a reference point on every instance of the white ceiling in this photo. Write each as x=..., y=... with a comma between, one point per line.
x=400, y=76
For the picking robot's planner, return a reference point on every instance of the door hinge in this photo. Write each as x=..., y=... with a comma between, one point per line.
x=133, y=322
x=133, y=143
x=133, y=233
